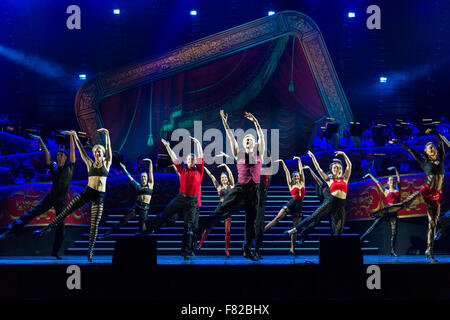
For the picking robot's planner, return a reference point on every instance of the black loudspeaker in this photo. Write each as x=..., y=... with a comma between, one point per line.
x=135, y=250
x=340, y=252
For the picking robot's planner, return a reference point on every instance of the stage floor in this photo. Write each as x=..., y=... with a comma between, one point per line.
x=216, y=260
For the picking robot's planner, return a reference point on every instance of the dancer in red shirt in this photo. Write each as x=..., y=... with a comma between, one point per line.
x=392, y=194
x=186, y=201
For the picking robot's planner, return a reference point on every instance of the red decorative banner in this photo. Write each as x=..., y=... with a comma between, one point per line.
x=17, y=199
x=364, y=197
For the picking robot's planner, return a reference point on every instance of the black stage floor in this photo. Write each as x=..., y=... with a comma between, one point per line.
x=214, y=279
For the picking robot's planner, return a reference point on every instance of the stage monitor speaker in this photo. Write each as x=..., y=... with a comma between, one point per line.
x=341, y=251
x=135, y=250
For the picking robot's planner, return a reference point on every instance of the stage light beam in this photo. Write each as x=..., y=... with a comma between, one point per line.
x=351, y=14
x=269, y=13
x=82, y=76
x=383, y=79
x=116, y=11
x=193, y=12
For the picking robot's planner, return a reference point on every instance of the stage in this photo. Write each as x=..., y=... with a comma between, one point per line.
x=219, y=279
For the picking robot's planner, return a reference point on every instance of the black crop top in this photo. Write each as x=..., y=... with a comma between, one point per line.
x=144, y=191
x=98, y=172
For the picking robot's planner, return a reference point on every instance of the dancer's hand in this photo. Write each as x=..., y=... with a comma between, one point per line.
x=392, y=141
x=195, y=140
x=104, y=130
x=337, y=153
x=223, y=115
x=250, y=117
x=222, y=154
x=164, y=142
x=295, y=157
x=310, y=154
x=391, y=168
x=221, y=165
x=279, y=160
x=34, y=137
x=147, y=159
x=292, y=231
x=123, y=166
x=367, y=175
x=306, y=167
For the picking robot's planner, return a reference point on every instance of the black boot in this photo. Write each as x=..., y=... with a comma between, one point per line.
x=248, y=255
x=258, y=254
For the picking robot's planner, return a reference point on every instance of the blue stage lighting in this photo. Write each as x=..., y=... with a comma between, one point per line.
x=351, y=14
x=116, y=11
x=383, y=79
x=269, y=13
x=82, y=76
x=193, y=12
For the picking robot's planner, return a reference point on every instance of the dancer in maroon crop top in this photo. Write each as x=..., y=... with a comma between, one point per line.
x=227, y=183
x=296, y=184
x=334, y=204
x=392, y=194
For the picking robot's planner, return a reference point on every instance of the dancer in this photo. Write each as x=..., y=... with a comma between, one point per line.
x=296, y=184
x=227, y=183
x=144, y=192
x=249, y=164
x=187, y=199
x=392, y=194
x=95, y=190
x=61, y=175
x=432, y=163
x=334, y=204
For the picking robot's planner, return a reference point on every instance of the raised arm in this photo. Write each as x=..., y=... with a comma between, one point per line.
x=382, y=189
x=445, y=140
x=413, y=152
x=199, y=147
x=300, y=168
x=48, y=158
x=230, y=174
x=440, y=143
x=348, y=169
x=286, y=172
x=261, y=142
x=108, y=150
x=315, y=177
x=318, y=168
x=72, y=157
x=150, y=172
x=134, y=182
x=213, y=179
x=83, y=153
x=172, y=154
x=231, y=138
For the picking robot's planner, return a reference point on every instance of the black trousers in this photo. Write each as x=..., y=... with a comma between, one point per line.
x=187, y=206
x=242, y=192
x=259, y=222
x=333, y=206
x=46, y=203
x=141, y=209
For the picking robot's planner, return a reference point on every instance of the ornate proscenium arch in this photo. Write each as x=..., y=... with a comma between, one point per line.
x=212, y=48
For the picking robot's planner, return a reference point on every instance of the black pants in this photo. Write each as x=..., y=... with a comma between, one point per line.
x=187, y=206
x=333, y=206
x=141, y=209
x=259, y=221
x=242, y=192
x=46, y=203
x=393, y=219
x=97, y=199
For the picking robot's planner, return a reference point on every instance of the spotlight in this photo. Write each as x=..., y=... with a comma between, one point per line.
x=116, y=11
x=383, y=79
x=269, y=13
x=193, y=12
x=82, y=76
x=351, y=14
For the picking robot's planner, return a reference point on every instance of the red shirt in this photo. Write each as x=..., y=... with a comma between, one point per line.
x=190, y=179
x=250, y=168
x=393, y=197
x=338, y=185
x=298, y=193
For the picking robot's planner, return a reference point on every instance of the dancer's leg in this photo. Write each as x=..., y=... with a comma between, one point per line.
x=433, y=212
x=393, y=222
x=371, y=228
x=281, y=214
x=227, y=235
x=96, y=216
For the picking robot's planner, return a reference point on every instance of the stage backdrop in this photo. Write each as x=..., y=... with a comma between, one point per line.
x=276, y=67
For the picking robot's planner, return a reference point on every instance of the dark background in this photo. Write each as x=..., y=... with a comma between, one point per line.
x=39, y=78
